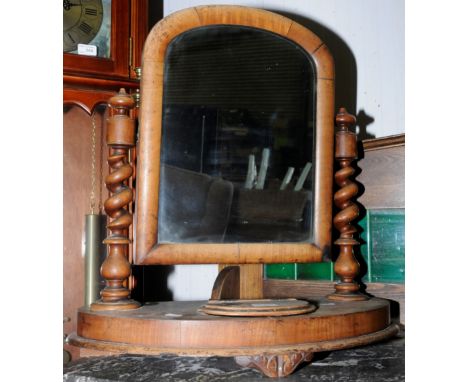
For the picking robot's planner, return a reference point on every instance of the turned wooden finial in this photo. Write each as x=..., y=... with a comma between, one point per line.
x=346, y=266
x=116, y=268
x=122, y=102
x=344, y=120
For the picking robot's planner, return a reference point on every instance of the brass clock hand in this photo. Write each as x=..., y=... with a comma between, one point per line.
x=67, y=5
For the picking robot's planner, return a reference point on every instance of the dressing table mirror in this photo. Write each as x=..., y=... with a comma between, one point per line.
x=236, y=147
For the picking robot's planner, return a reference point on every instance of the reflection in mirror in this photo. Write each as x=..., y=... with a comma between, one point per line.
x=237, y=138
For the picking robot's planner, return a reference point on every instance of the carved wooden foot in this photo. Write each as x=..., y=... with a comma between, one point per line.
x=275, y=365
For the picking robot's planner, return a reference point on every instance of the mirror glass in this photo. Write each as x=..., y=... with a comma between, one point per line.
x=237, y=138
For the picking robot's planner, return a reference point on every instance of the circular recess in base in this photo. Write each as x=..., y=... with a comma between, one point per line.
x=177, y=327
x=258, y=308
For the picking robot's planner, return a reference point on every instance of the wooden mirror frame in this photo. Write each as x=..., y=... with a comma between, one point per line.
x=147, y=250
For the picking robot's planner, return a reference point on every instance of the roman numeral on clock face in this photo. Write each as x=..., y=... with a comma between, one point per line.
x=85, y=28
x=90, y=11
x=71, y=38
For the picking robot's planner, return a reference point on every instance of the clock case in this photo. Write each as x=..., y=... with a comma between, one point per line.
x=128, y=31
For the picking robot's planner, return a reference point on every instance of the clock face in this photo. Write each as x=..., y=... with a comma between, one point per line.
x=82, y=21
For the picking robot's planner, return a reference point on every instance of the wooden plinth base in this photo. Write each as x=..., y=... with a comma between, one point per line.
x=262, y=342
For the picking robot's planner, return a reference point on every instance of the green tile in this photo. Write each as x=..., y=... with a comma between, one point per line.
x=387, y=245
x=280, y=271
x=382, y=237
x=363, y=251
x=315, y=271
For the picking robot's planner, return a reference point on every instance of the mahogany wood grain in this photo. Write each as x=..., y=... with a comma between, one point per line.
x=232, y=253
x=177, y=328
x=91, y=347
x=98, y=83
x=147, y=250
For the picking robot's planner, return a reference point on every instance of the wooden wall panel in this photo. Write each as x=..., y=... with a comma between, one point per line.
x=382, y=173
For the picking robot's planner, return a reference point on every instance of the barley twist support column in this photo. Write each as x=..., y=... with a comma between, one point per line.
x=116, y=268
x=346, y=266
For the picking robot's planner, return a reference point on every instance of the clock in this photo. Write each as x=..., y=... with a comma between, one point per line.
x=104, y=25
x=87, y=22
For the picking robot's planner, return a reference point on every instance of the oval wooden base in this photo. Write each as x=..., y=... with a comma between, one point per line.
x=178, y=328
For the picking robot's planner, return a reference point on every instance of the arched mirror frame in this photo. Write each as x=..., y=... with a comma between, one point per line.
x=147, y=250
